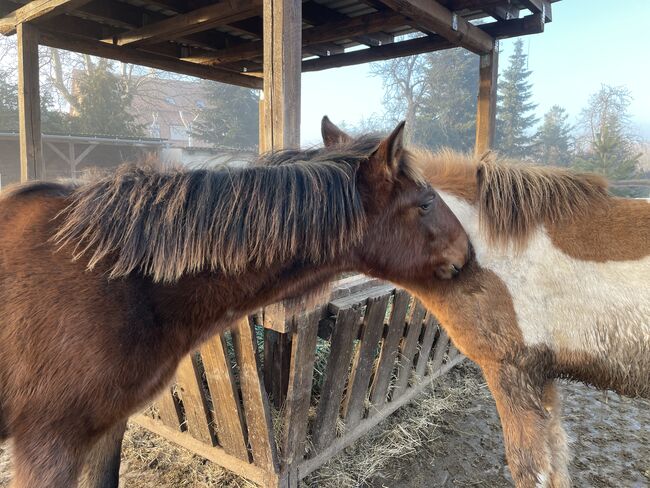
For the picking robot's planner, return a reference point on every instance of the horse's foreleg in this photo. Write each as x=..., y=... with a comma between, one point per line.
x=557, y=438
x=44, y=459
x=102, y=468
x=525, y=422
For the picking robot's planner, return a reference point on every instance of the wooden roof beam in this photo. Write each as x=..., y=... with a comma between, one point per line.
x=130, y=55
x=317, y=15
x=195, y=21
x=347, y=28
x=36, y=10
x=433, y=17
x=539, y=7
x=532, y=24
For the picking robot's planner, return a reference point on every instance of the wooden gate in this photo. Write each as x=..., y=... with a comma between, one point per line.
x=331, y=374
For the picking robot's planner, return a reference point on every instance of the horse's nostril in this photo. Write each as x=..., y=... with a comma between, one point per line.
x=455, y=270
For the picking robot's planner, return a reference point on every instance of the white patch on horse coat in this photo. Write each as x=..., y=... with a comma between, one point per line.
x=564, y=302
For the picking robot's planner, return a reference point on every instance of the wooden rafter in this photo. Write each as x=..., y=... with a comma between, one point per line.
x=366, y=24
x=36, y=10
x=433, y=17
x=195, y=21
x=532, y=24
x=130, y=55
x=539, y=7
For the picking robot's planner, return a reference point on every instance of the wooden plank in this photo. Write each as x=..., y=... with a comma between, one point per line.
x=215, y=454
x=310, y=465
x=408, y=349
x=277, y=360
x=225, y=397
x=303, y=353
x=362, y=366
x=388, y=354
x=442, y=343
x=345, y=28
x=430, y=330
x=361, y=297
x=435, y=18
x=255, y=399
x=29, y=104
x=282, y=38
x=36, y=10
x=531, y=24
x=197, y=413
x=168, y=409
x=130, y=55
x=336, y=374
x=198, y=20
x=539, y=7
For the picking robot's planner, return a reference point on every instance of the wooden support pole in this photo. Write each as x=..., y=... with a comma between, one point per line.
x=29, y=104
x=282, y=66
x=486, y=107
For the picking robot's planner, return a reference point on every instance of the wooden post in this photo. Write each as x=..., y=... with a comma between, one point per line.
x=487, y=101
x=282, y=69
x=29, y=104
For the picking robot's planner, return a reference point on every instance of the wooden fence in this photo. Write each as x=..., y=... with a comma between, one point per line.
x=283, y=392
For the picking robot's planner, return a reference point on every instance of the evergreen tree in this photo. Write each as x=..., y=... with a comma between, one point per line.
x=553, y=141
x=8, y=102
x=608, y=145
x=102, y=103
x=514, y=117
x=447, y=117
x=230, y=118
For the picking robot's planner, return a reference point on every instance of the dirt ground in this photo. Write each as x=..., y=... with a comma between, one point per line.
x=449, y=437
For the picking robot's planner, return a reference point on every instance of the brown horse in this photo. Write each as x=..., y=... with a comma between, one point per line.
x=559, y=288
x=106, y=285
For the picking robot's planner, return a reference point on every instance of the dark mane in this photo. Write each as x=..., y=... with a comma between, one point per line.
x=165, y=224
x=513, y=198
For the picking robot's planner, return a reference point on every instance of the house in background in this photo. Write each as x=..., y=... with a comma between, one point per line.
x=167, y=108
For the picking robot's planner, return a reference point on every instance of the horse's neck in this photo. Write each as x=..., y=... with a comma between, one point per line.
x=201, y=305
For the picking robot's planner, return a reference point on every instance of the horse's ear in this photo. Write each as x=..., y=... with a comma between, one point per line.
x=388, y=154
x=332, y=135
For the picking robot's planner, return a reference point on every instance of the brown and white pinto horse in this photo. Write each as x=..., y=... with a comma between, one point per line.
x=560, y=288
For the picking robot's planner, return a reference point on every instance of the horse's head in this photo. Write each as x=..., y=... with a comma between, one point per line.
x=411, y=236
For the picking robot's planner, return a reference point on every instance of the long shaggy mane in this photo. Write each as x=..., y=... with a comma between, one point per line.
x=298, y=205
x=513, y=198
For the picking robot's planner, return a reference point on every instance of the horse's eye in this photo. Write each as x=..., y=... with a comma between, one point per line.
x=426, y=205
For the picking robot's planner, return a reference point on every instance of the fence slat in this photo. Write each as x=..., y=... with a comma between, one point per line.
x=353, y=405
x=389, y=347
x=197, y=414
x=408, y=349
x=225, y=397
x=255, y=399
x=440, y=349
x=430, y=329
x=345, y=330
x=303, y=354
x=167, y=409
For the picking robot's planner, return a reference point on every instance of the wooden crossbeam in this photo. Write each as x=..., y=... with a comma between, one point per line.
x=317, y=14
x=130, y=55
x=539, y=7
x=195, y=21
x=350, y=27
x=532, y=24
x=36, y=10
x=434, y=18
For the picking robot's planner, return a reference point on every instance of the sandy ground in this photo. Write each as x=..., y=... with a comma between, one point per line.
x=450, y=437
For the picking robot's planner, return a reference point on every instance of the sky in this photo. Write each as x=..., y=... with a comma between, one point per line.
x=589, y=43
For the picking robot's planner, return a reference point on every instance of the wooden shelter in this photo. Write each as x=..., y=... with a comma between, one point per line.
x=384, y=347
